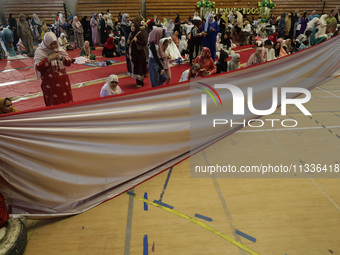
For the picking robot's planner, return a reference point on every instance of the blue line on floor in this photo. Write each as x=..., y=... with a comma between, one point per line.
x=163, y=204
x=203, y=217
x=250, y=238
x=145, y=204
x=166, y=184
x=145, y=245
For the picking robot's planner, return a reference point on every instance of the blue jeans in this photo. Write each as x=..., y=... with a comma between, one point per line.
x=156, y=78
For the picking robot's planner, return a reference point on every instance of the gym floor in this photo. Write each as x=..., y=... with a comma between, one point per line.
x=174, y=213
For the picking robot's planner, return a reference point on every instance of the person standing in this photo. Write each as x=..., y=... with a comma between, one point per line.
x=94, y=29
x=12, y=23
x=49, y=64
x=78, y=33
x=125, y=28
x=156, y=70
x=136, y=43
x=26, y=35
x=210, y=29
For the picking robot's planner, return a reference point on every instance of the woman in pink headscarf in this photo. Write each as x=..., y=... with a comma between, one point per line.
x=207, y=64
x=49, y=64
x=78, y=33
x=156, y=69
x=282, y=50
x=256, y=57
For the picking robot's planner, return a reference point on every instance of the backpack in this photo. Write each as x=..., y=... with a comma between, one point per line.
x=3, y=211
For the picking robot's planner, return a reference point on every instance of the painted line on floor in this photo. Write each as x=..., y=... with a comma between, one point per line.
x=250, y=238
x=146, y=208
x=201, y=224
x=129, y=226
x=166, y=183
x=163, y=204
x=203, y=217
x=145, y=245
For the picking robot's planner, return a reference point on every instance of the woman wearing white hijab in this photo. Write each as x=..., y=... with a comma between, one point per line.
x=49, y=64
x=234, y=63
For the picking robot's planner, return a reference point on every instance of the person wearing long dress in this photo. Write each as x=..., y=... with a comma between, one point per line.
x=7, y=37
x=256, y=57
x=195, y=41
x=26, y=35
x=78, y=33
x=49, y=64
x=136, y=43
x=87, y=29
x=210, y=28
x=13, y=25
x=94, y=29
x=125, y=28
x=36, y=26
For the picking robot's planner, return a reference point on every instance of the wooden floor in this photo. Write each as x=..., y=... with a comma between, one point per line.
x=293, y=216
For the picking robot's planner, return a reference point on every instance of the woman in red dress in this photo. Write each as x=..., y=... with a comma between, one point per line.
x=49, y=63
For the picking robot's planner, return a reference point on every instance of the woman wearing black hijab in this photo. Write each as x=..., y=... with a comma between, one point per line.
x=85, y=22
x=222, y=63
x=12, y=22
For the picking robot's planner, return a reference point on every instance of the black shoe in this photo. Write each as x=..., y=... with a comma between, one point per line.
x=73, y=60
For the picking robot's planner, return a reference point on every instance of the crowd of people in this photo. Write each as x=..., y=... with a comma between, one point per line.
x=151, y=46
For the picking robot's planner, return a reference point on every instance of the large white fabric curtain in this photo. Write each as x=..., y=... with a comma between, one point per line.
x=64, y=160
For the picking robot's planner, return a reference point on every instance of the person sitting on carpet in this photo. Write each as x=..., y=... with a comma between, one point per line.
x=256, y=57
x=6, y=106
x=111, y=87
x=207, y=64
x=62, y=40
x=86, y=51
x=109, y=50
x=222, y=63
x=234, y=63
x=121, y=46
x=190, y=73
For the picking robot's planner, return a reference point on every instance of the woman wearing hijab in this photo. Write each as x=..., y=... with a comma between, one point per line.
x=170, y=28
x=255, y=58
x=62, y=40
x=86, y=51
x=7, y=37
x=183, y=45
x=222, y=63
x=104, y=30
x=331, y=23
x=206, y=63
x=121, y=46
x=87, y=35
x=111, y=87
x=136, y=43
x=12, y=24
x=94, y=29
x=26, y=35
x=282, y=51
x=156, y=70
x=36, y=26
x=195, y=41
x=288, y=21
x=223, y=22
x=125, y=28
x=78, y=33
x=177, y=24
x=273, y=37
x=190, y=73
x=282, y=25
x=322, y=26
x=210, y=29
x=234, y=63
x=6, y=106
x=109, y=50
x=49, y=63
x=303, y=22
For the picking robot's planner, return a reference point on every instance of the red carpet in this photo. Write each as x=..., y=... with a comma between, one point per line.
x=27, y=84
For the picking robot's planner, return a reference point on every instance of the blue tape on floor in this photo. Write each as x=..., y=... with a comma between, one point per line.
x=250, y=238
x=146, y=208
x=203, y=217
x=163, y=204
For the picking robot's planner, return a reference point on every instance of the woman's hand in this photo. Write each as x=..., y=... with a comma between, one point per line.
x=162, y=72
x=54, y=56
